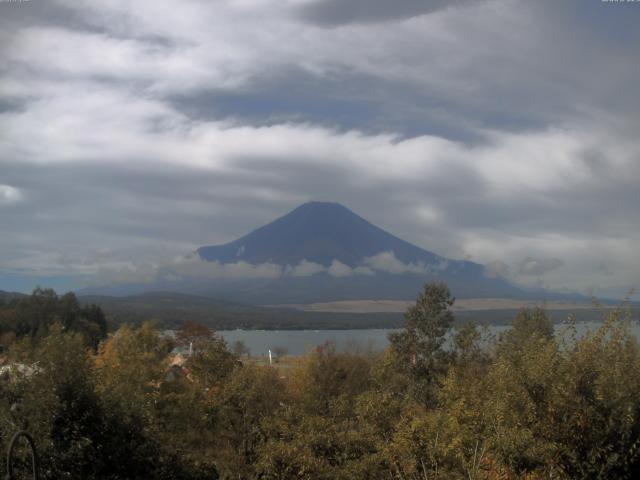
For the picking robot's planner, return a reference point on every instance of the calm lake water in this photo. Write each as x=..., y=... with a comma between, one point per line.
x=297, y=342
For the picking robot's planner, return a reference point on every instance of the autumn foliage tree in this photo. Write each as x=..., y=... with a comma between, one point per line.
x=193, y=333
x=419, y=346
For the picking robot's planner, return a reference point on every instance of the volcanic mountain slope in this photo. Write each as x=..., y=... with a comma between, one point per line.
x=317, y=232
x=352, y=257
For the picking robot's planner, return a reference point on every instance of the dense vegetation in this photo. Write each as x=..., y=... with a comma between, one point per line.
x=171, y=309
x=525, y=405
x=34, y=316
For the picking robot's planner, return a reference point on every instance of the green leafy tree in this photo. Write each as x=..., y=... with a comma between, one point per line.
x=419, y=347
x=329, y=382
x=593, y=418
x=238, y=411
x=33, y=316
x=130, y=367
x=212, y=363
x=77, y=435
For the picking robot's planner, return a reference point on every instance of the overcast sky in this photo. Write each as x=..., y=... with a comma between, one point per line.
x=505, y=132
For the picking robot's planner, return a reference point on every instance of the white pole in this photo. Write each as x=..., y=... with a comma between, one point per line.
x=269, y=356
x=190, y=349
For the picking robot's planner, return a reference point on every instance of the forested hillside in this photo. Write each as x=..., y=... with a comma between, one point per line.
x=525, y=405
x=170, y=310
x=33, y=316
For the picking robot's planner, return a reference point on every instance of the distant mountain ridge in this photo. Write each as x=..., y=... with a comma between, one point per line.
x=8, y=296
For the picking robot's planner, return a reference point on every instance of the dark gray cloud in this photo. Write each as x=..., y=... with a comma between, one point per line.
x=340, y=102
x=16, y=15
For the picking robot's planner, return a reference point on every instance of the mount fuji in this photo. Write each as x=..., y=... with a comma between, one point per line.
x=327, y=252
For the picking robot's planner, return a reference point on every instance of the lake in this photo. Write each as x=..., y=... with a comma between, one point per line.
x=297, y=342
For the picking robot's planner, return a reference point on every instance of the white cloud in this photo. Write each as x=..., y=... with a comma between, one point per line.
x=194, y=266
x=339, y=269
x=387, y=262
x=538, y=266
x=125, y=274
x=9, y=195
x=305, y=269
